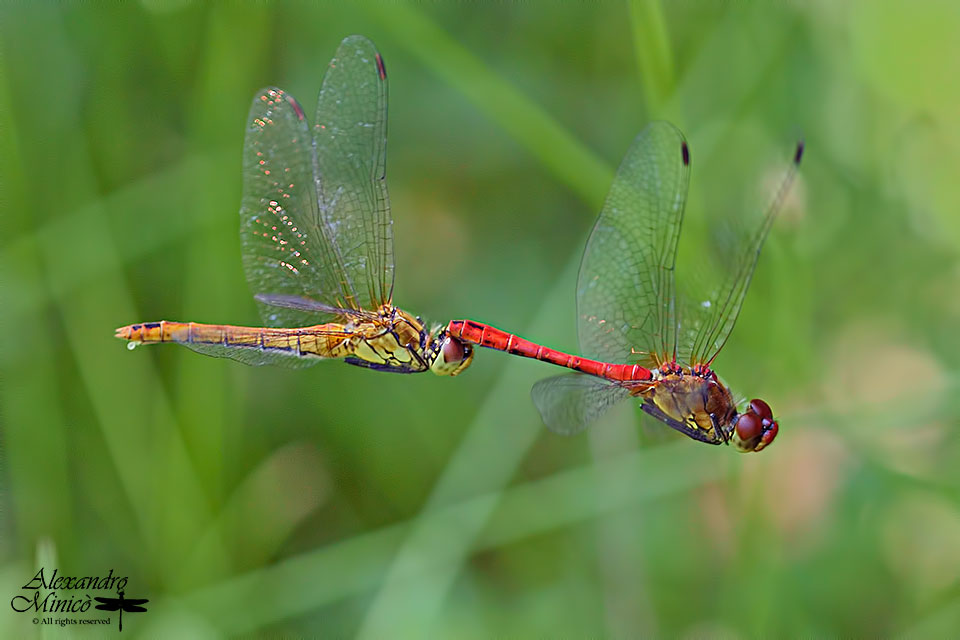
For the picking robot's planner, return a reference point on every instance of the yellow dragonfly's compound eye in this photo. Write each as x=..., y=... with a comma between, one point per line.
x=453, y=356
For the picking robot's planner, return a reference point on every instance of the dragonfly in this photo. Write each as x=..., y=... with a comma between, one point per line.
x=121, y=604
x=640, y=338
x=317, y=237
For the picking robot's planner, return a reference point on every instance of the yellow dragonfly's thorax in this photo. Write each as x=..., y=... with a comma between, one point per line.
x=699, y=402
x=399, y=341
x=392, y=338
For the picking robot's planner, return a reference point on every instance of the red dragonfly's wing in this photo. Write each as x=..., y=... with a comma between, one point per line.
x=568, y=403
x=625, y=290
x=707, y=322
x=315, y=219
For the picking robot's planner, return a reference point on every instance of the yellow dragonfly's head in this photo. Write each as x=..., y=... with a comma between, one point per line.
x=450, y=355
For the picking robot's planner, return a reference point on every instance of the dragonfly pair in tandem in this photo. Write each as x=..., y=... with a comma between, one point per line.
x=317, y=239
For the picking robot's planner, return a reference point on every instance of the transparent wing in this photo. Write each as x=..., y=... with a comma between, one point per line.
x=253, y=356
x=312, y=306
x=625, y=289
x=569, y=403
x=351, y=142
x=708, y=322
x=315, y=217
x=285, y=248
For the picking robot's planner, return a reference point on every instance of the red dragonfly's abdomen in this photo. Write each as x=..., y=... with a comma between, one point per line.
x=325, y=340
x=487, y=336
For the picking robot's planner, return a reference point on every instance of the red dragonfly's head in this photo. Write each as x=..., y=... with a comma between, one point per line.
x=755, y=428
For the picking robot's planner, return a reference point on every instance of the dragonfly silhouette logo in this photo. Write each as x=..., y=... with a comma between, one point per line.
x=53, y=598
x=121, y=604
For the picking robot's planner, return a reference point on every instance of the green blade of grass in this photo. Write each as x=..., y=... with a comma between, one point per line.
x=651, y=43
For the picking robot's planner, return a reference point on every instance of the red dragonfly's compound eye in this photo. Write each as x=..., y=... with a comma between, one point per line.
x=761, y=408
x=749, y=426
x=756, y=428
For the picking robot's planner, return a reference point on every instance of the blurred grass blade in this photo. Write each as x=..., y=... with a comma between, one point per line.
x=574, y=164
x=290, y=588
x=153, y=198
x=651, y=42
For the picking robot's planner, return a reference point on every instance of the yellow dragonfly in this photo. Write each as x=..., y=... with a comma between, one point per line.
x=317, y=237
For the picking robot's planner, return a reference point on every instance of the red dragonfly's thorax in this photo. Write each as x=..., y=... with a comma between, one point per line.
x=700, y=402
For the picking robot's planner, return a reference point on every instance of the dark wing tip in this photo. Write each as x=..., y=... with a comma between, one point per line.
x=685, y=152
x=799, y=154
x=381, y=68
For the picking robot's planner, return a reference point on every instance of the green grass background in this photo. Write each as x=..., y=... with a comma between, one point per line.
x=338, y=502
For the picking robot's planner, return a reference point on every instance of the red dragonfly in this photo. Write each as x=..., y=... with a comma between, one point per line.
x=317, y=237
x=641, y=339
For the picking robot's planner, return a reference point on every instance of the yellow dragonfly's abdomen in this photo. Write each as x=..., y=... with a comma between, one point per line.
x=252, y=345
